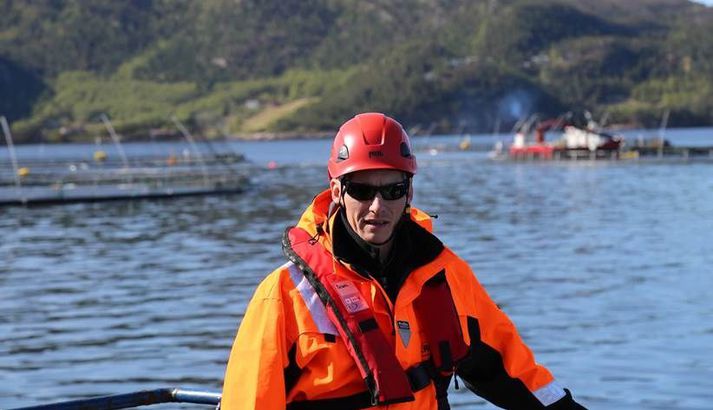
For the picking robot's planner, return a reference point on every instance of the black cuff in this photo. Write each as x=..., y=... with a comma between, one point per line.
x=566, y=403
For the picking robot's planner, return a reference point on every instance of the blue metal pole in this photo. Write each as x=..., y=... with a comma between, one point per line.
x=198, y=397
x=135, y=399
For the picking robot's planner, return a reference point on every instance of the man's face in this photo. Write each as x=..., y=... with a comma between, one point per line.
x=372, y=219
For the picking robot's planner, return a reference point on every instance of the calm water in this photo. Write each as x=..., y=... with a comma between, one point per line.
x=605, y=268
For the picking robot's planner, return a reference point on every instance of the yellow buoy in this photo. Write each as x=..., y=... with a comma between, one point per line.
x=629, y=155
x=464, y=144
x=23, y=172
x=99, y=156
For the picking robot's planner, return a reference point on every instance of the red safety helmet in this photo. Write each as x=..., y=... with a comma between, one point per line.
x=370, y=141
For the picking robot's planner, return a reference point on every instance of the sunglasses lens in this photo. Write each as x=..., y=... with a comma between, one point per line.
x=361, y=192
x=393, y=191
x=365, y=192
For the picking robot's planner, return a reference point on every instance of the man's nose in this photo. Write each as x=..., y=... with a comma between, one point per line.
x=376, y=203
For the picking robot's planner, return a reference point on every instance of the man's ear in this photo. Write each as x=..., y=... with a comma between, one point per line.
x=335, y=187
x=410, y=191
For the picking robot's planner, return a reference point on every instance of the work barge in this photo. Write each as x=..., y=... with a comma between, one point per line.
x=633, y=153
x=99, y=177
x=577, y=142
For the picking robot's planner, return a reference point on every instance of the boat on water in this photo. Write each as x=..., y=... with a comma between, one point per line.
x=590, y=141
x=574, y=141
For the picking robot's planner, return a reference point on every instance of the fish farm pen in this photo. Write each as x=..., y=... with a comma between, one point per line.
x=34, y=181
x=57, y=182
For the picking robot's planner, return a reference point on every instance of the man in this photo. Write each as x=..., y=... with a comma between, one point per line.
x=371, y=309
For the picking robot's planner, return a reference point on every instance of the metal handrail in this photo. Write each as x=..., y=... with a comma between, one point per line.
x=135, y=399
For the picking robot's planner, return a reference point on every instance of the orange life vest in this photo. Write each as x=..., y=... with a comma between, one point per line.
x=385, y=379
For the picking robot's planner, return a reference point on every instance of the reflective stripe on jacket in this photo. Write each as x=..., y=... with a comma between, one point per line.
x=288, y=352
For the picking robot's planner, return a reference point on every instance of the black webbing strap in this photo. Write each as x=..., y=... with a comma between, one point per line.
x=368, y=324
x=420, y=375
x=442, y=383
x=446, y=357
x=356, y=401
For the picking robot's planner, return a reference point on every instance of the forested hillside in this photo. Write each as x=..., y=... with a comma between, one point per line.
x=248, y=66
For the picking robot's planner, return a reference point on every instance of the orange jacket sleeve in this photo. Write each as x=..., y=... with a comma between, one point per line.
x=254, y=377
x=499, y=367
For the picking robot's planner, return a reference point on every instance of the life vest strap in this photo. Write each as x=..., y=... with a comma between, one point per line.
x=441, y=384
x=420, y=376
x=354, y=402
x=368, y=324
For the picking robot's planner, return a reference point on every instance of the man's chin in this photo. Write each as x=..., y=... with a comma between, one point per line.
x=376, y=240
x=376, y=235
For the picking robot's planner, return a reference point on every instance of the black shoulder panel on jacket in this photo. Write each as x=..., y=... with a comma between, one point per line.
x=484, y=373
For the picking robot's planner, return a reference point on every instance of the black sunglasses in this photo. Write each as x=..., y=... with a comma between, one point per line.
x=366, y=192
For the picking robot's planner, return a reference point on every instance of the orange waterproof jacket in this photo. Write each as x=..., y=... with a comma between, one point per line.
x=288, y=354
